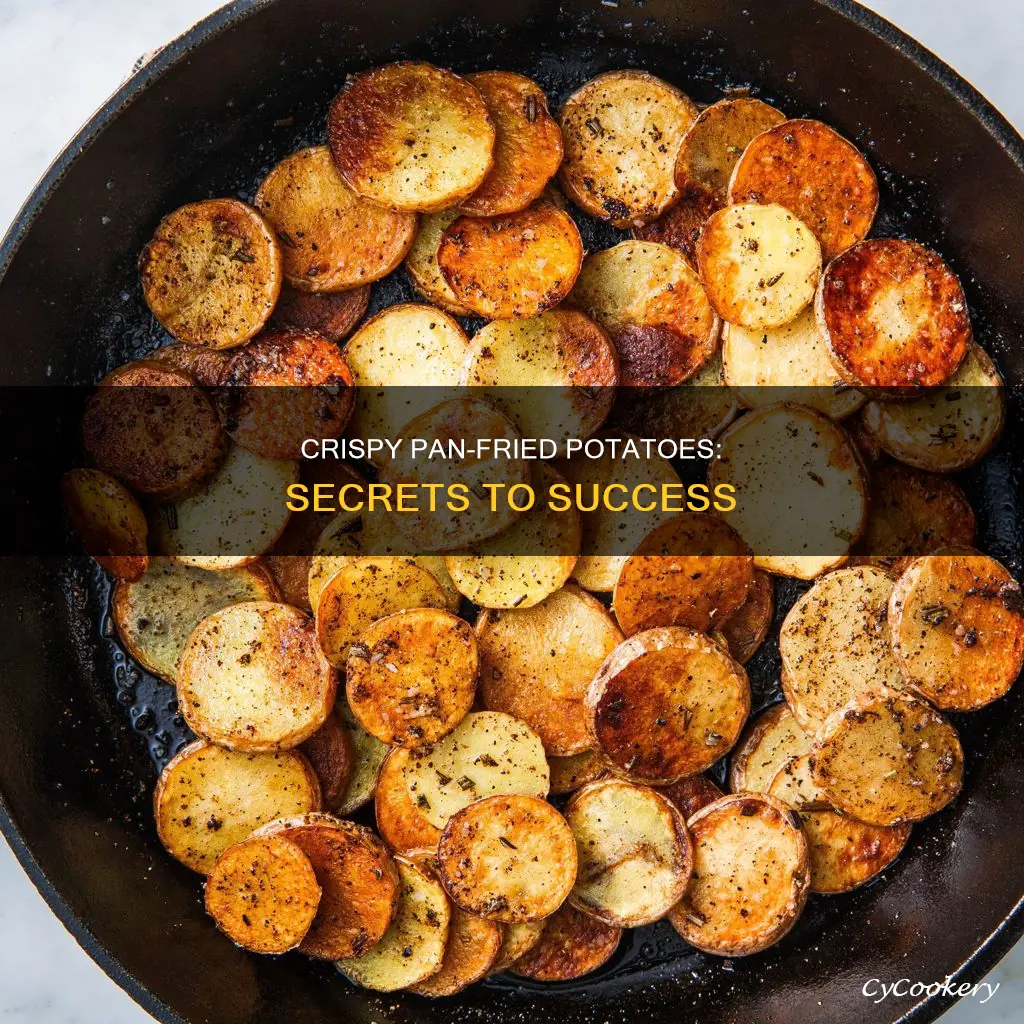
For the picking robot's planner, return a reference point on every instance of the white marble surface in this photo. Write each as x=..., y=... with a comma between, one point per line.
x=59, y=59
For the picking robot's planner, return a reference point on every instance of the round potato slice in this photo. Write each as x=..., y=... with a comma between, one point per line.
x=806, y=167
x=209, y=798
x=745, y=630
x=489, y=753
x=421, y=263
x=667, y=703
x=400, y=822
x=622, y=132
x=108, y=521
x=573, y=944
x=252, y=677
x=156, y=614
x=571, y=773
x=212, y=273
x=206, y=366
x=651, y=302
x=835, y=644
x=150, y=426
x=692, y=571
x=957, y=624
x=536, y=664
x=751, y=875
x=893, y=315
x=508, y=858
x=635, y=855
x=887, y=759
x=411, y=136
x=331, y=314
x=770, y=740
x=681, y=224
x=331, y=752
x=691, y=794
x=263, y=894
x=517, y=940
x=527, y=147
x=759, y=264
x=369, y=754
x=331, y=239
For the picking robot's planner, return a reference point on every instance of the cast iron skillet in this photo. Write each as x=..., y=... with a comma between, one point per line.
x=80, y=730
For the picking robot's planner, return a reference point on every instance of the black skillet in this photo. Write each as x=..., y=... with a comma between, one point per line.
x=81, y=731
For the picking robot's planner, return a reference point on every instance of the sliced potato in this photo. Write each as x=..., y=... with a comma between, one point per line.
x=206, y=366
x=691, y=794
x=517, y=940
x=692, y=571
x=745, y=630
x=150, y=426
x=622, y=132
x=108, y=520
x=573, y=944
x=651, y=302
x=667, y=703
x=751, y=875
x=770, y=740
x=570, y=773
x=400, y=822
x=212, y=273
x=536, y=664
x=508, y=858
x=252, y=677
x=331, y=238
x=411, y=136
x=893, y=315
x=801, y=490
x=209, y=798
x=681, y=224
x=331, y=314
x=635, y=855
x=421, y=263
x=489, y=753
x=957, y=624
x=808, y=168
x=332, y=754
x=263, y=894
x=369, y=755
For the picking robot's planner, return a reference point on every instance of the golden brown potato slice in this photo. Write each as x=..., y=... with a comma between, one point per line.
x=770, y=740
x=806, y=167
x=400, y=822
x=369, y=754
x=331, y=314
x=209, y=798
x=206, y=366
x=331, y=752
x=635, y=855
x=527, y=147
x=410, y=136
x=156, y=614
x=692, y=571
x=573, y=944
x=421, y=263
x=759, y=264
x=957, y=624
x=714, y=143
x=651, y=302
x=691, y=794
x=212, y=273
x=517, y=940
x=508, y=858
x=108, y=521
x=263, y=894
x=893, y=315
x=252, y=677
x=751, y=875
x=150, y=426
x=536, y=664
x=681, y=224
x=622, y=132
x=745, y=630
x=331, y=239
x=667, y=703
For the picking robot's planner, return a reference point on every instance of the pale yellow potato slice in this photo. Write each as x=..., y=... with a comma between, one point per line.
x=421, y=263
x=368, y=753
x=771, y=739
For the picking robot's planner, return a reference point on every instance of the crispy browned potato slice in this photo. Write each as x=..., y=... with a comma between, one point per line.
x=759, y=264
x=209, y=798
x=806, y=167
x=714, y=143
x=368, y=753
x=331, y=314
x=667, y=703
x=957, y=625
x=536, y=664
x=527, y=147
x=331, y=238
x=517, y=940
x=263, y=894
x=108, y=521
x=359, y=882
x=570, y=773
x=745, y=630
x=651, y=302
x=573, y=944
x=691, y=794
x=400, y=822
x=212, y=273
x=421, y=263
x=692, y=571
x=206, y=366
x=332, y=754
x=893, y=315
x=252, y=677
x=635, y=855
x=751, y=876
x=508, y=858
x=681, y=224
x=513, y=266
x=771, y=739
x=887, y=759
x=411, y=136
x=150, y=426
x=622, y=132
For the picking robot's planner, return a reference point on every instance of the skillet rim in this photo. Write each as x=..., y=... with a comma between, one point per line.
x=1006, y=933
